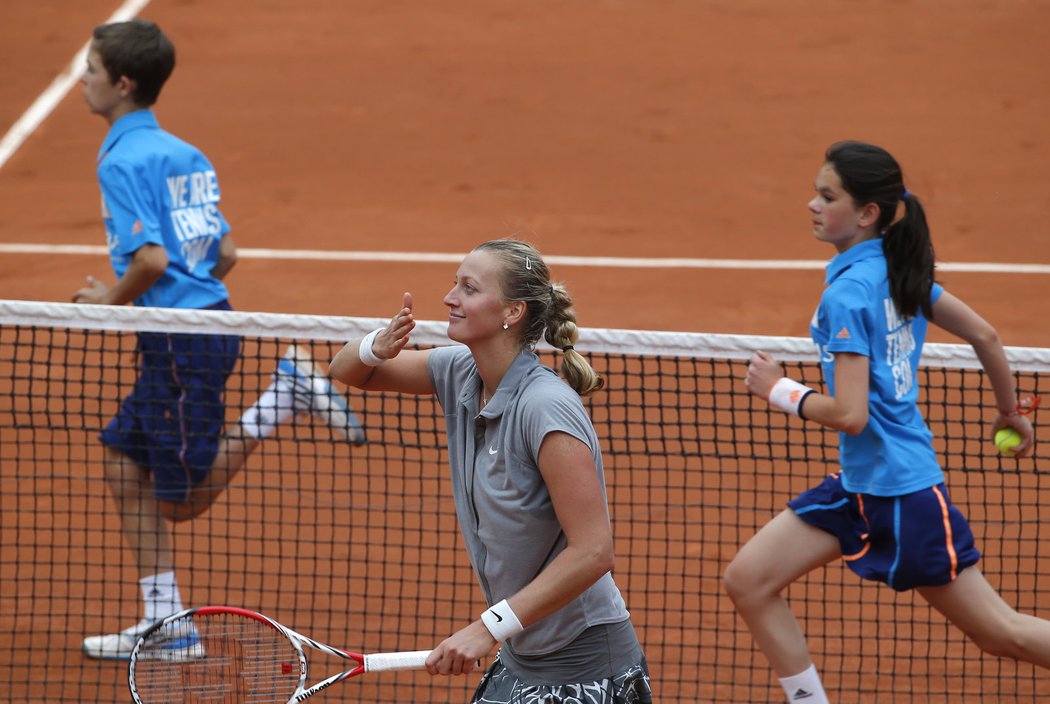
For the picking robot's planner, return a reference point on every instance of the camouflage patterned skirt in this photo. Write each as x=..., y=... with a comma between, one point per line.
x=501, y=686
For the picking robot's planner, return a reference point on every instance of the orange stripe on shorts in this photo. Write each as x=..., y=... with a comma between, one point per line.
x=867, y=545
x=858, y=555
x=950, y=545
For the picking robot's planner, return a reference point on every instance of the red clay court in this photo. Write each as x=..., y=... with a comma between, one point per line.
x=660, y=129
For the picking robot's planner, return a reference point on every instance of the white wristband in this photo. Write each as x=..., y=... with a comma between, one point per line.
x=788, y=395
x=364, y=350
x=501, y=621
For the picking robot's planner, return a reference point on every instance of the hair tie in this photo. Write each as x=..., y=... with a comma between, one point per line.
x=566, y=348
x=550, y=288
x=906, y=194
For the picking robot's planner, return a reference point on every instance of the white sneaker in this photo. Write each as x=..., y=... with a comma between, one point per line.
x=173, y=643
x=313, y=392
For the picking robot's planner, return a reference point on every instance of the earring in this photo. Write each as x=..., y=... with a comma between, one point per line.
x=505, y=325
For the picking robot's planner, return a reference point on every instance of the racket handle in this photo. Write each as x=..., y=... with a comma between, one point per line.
x=415, y=660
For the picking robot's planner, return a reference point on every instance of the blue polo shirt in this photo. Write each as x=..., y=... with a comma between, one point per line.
x=894, y=453
x=158, y=189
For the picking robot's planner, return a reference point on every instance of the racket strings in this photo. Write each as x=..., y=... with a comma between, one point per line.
x=216, y=658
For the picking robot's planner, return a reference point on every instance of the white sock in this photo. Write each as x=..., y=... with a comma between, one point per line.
x=161, y=596
x=275, y=406
x=804, y=687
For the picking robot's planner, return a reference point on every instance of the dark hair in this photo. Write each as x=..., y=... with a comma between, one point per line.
x=139, y=50
x=871, y=175
x=548, y=308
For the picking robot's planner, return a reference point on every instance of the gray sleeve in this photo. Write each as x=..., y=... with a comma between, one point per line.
x=441, y=365
x=552, y=406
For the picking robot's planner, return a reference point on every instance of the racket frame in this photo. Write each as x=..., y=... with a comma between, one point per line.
x=412, y=660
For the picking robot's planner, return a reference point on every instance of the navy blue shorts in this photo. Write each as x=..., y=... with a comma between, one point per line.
x=171, y=422
x=914, y=540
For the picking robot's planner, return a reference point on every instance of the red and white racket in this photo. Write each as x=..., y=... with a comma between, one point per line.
x=227, y=654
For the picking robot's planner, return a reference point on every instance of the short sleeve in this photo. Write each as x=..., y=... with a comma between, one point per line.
x=441, y=365
x=133, y=215
x=935, y=293
x=553, y=409
x=847, y=310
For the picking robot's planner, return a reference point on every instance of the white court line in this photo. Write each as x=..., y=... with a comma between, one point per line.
x=607, y=262
x=60, y=86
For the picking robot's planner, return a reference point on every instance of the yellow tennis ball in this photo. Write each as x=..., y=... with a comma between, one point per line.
x=1007, y=440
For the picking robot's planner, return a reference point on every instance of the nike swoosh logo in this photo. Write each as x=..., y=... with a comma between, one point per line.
x=499, y=619
x=493, y=450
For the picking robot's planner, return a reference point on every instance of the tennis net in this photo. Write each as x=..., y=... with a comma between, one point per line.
x=357, y=545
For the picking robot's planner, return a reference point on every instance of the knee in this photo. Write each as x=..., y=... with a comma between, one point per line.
x=1001, y=639
x=740, y=581
x=995, y=645
x=177, y=512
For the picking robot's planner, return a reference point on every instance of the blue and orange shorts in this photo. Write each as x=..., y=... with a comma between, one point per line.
x=171, y=422
x=913, y=540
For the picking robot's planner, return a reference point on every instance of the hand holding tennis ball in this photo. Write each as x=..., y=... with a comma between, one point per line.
x=1007, y=440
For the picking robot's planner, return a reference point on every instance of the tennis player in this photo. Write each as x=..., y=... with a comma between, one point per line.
x=887, y=511
x=165, y=456
x=527, y=481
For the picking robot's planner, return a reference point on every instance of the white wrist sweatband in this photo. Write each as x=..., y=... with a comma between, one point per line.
x=364, y=350
x=788, y=395
x=501, y=621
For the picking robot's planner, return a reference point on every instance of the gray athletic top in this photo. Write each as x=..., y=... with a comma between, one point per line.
x=505, y=512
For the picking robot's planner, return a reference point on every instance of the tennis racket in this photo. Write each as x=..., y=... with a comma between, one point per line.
x=226, y=654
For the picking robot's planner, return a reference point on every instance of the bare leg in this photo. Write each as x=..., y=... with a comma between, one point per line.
x=784, y=550
x=973, y=605
x=146, y=530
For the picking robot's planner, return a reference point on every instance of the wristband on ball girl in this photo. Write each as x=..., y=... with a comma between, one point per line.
x=788, y=395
